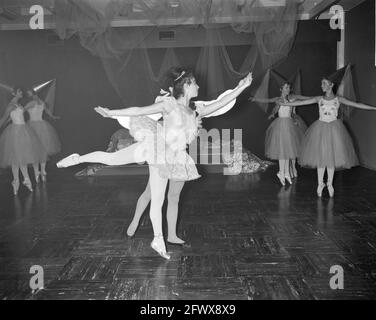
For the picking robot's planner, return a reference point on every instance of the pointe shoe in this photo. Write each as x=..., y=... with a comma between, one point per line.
x=15, y=185
x=37, y=176
x=330, y=190
x=44, y=176
x=185, y=245
x=281, y=178
x=158, y=245
x=69, y=161
x=320, y=188
x=131, y=234
x=288, y=179
x=295, y=173
x=27, y=184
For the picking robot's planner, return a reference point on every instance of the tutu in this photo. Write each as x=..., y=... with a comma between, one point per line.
x=283, y=139
x=172, y=164
x=19, y=145
x=300, y=123
x=47, y=135
x=328, y=144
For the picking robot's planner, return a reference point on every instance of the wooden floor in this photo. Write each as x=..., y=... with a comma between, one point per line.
x=251, y=239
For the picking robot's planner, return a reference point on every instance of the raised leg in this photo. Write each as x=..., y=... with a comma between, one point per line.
x=132, y=154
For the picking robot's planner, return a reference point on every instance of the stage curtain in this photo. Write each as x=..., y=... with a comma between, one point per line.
x=128, y=63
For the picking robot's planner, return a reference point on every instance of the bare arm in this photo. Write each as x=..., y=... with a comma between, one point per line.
x=302, y=102
x=355, y=104
x=159, y=107
x=49, y=113
x=243, y=84
x=271, y=100
x=5, y=117
x=299, y=97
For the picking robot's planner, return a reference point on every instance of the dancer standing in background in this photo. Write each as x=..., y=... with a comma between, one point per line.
x=327, y=145
x=19, y=144
x=283, y=137
x=46, y=133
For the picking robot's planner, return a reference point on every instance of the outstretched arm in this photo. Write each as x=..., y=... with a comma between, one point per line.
x=212, y=107
x=5, y=117
x=159, y=107
x=299, y=97
x=302, y=102
x=271, y=100
x=49, y=113
x=355, y=104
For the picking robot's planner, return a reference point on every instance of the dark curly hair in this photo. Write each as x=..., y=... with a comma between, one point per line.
x=175, y=78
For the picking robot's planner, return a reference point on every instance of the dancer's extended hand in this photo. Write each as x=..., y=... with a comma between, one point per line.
x=246, y=82
x=104, y=112
x=55, y=118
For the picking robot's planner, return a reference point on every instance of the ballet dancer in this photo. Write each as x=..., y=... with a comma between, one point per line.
x=179, y=128
x=175, y=187
x=19, y=144
x=283, y=137
x=45, y=132
x=327, y=145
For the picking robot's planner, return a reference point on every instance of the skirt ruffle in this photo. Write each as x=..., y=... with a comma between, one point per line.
x=300, y=123
x=20, y=146
x=172, y=164
x=283, y=139
x=47, y=135
x=328, y=145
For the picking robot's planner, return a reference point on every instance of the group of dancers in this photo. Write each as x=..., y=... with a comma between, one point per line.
x=27, y=143
x=325, y=145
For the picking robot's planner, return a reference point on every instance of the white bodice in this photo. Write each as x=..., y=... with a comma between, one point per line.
x=36, y=111
x=328, y=109
x=17, y=115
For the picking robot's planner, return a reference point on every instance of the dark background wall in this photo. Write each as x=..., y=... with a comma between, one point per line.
x=28, y=59
x=360, y=52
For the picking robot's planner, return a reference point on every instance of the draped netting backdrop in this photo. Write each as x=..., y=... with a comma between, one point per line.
x=270, y=25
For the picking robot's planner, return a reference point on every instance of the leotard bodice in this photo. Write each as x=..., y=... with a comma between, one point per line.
x=328, y=109
x=36, y=111
x=17, y=114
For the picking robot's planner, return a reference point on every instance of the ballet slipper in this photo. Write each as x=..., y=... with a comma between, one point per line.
x=15, y=185
x=330, y=190
x=288, y=179
x=320, y=188
x=281, y=178
x=158, y=245
x=131, y=231
x=27, y=184
x=181, y=243
x=69, y=161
